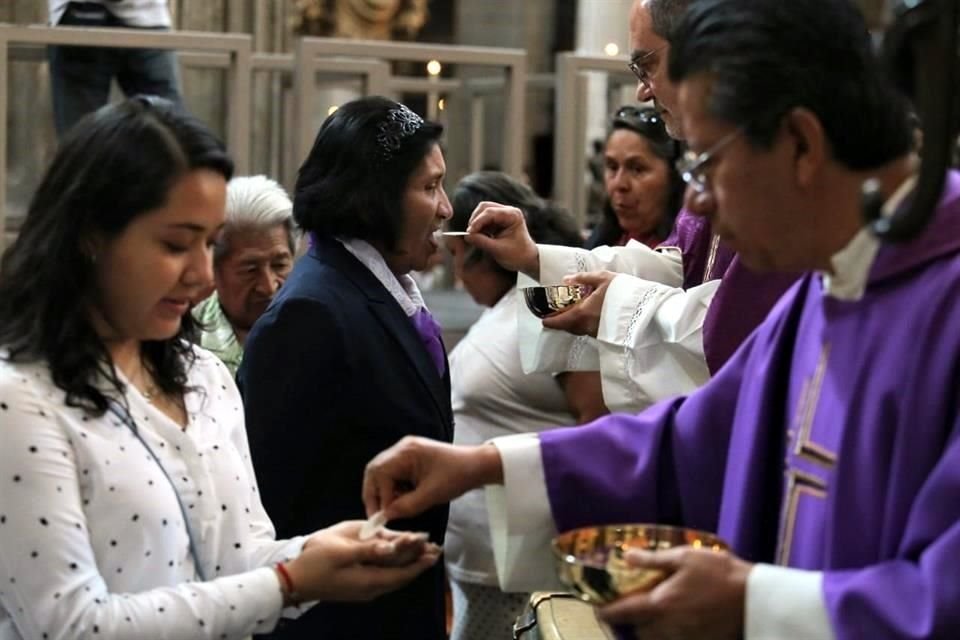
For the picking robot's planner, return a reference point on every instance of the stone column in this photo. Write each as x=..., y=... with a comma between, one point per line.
x=601, y=30
x=29, y=118
x=601, y=24
x=525, y=25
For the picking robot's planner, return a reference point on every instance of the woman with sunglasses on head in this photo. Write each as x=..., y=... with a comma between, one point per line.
x=643, y=189
x=129, y=508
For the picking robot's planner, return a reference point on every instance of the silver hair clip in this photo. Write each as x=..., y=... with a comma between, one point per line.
x=400, y=123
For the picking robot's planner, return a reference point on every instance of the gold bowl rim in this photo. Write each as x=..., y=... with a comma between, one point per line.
x=583, y=288
x=570, y=558
x=527, y=294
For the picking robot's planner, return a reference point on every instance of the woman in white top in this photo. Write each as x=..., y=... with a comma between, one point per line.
x=129, y=508
x=493, y=397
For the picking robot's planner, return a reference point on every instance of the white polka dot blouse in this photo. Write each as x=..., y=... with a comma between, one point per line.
x=92, y=540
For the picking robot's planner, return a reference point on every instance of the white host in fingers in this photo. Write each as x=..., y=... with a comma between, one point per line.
x=373, y=524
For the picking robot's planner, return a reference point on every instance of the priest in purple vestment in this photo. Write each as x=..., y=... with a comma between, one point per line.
x=827, y=450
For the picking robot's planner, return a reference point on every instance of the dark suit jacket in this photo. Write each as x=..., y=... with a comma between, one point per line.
x=333, y=373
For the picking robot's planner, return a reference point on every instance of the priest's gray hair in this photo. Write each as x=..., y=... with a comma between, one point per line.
x=256, y=203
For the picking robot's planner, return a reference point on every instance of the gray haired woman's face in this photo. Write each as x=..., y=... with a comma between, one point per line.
x=255, y=266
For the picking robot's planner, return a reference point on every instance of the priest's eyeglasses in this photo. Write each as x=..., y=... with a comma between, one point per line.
x=692, y=167
x=641, y=66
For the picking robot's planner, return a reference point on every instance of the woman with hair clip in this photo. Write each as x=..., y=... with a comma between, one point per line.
x=492, y=396
x=129, y=508
x=644, y=190
x=348, y=360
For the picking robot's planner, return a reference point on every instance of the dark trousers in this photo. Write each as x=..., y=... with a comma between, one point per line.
x=80, y=76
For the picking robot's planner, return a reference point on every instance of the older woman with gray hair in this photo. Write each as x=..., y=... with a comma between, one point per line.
x=251, y=260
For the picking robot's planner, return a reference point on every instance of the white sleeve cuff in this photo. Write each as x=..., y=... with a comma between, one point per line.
x=635, y=259
x=559, y=261
x=547, y=350
x=785, y=603
x=650, y=342
x=638, y=313
x=521, y=524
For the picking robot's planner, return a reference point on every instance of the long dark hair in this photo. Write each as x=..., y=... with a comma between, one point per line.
x=646, y=123
x=352, y=182
x=112, y=166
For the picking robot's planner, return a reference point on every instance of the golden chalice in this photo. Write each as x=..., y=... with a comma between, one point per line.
x=590, y=561
x=546, y=301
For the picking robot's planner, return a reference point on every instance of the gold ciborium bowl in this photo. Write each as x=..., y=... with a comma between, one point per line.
x=590, y=561
x=546, y=301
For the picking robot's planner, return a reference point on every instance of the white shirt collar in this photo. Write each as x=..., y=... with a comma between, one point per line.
x=403, y=288
x=852, y=264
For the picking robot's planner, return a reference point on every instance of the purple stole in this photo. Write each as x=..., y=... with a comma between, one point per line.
x=744, y=296
x=430, y=332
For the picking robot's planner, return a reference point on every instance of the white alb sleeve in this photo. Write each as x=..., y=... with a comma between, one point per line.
x=547, y=350
x=557, y=351
x=521, y=523
x=650, y=341
x=659, y=265
x=785, y=603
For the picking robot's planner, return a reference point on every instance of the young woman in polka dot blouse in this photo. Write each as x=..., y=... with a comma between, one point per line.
x=128, y=504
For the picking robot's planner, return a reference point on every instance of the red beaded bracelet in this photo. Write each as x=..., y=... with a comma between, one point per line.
x=291, y=592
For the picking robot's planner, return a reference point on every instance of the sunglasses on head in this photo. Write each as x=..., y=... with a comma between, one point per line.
x=646, y=114
x=645, y=120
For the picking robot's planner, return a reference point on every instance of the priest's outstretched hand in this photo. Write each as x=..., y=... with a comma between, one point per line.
x=502, y=232
x=418, y=473
x=702, y=597
x=583, y=318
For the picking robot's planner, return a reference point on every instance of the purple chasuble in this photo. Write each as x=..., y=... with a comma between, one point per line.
x=430, y=332
x=744, y=296
x=741, y=303
x=829, y=442
x=692, y=234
